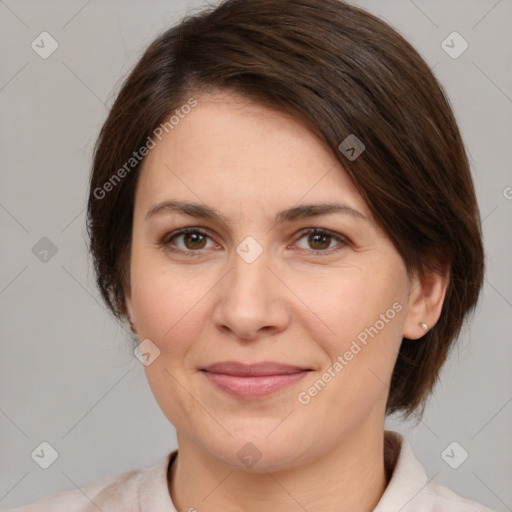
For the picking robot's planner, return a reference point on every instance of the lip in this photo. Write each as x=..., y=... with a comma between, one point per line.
x=252, y=381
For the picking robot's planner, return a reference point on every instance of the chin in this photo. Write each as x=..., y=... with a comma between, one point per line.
x=254, y=450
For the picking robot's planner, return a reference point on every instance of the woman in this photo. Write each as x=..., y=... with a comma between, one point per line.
x=281, y=207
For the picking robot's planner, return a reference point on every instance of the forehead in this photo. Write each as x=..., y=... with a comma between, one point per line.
x=231, y=152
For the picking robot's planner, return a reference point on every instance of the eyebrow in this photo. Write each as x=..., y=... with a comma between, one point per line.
x=289, y=215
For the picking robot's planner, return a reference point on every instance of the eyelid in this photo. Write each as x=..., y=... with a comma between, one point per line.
x=344, y=241
x=166, y=239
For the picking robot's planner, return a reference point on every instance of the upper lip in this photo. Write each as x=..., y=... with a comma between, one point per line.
x=256, y=369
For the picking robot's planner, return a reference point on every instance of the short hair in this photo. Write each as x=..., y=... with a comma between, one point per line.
x=343, y=72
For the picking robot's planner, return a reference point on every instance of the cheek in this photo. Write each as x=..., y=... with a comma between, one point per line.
x=170, y=312
x=369, y=328
x=167, y=304
x=365, y=310
x=354, y=304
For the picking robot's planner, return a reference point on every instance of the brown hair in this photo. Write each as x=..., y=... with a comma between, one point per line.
x=342, y=71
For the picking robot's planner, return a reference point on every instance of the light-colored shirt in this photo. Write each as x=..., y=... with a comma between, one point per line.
x=146, y=490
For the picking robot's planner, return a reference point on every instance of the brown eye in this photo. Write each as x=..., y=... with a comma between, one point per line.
x=194, y=240
x=321, y=241
x=188, y=241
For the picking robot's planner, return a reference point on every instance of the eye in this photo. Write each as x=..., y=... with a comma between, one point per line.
x=320, y=240
x=193, y=239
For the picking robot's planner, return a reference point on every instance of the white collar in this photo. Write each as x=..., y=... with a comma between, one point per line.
x=409, y=489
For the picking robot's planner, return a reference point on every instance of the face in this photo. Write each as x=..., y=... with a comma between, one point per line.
x=306, y=308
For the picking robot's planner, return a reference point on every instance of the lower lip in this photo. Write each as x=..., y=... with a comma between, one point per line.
x=254, y=386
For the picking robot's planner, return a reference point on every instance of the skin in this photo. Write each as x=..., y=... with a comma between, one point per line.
x=302, y=301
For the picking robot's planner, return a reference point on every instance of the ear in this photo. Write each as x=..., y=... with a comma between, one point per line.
x=129, y=309
x=128, y=303
x=425, y=302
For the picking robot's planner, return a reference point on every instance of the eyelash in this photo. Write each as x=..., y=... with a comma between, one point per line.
x=166, y=240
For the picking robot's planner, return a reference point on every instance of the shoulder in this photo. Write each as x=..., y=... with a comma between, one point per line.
x=122, y=491
x=115, y=490
x=445, y=500
x=410, y=490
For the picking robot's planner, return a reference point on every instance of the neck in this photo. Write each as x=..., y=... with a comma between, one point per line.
x=350, y=478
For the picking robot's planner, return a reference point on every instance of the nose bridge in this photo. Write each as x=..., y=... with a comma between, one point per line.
x=250, y=273
x=250, y=300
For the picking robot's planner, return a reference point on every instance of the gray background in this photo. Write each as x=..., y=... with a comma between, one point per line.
x=67, y=372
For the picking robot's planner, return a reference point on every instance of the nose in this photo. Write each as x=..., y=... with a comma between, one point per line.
x=251, y=300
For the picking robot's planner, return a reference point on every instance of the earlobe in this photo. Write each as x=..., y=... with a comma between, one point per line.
x=132, y=326
x=425, y=303
x=128, y=303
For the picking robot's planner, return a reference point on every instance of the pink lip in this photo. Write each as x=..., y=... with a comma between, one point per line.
x=250, y=381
